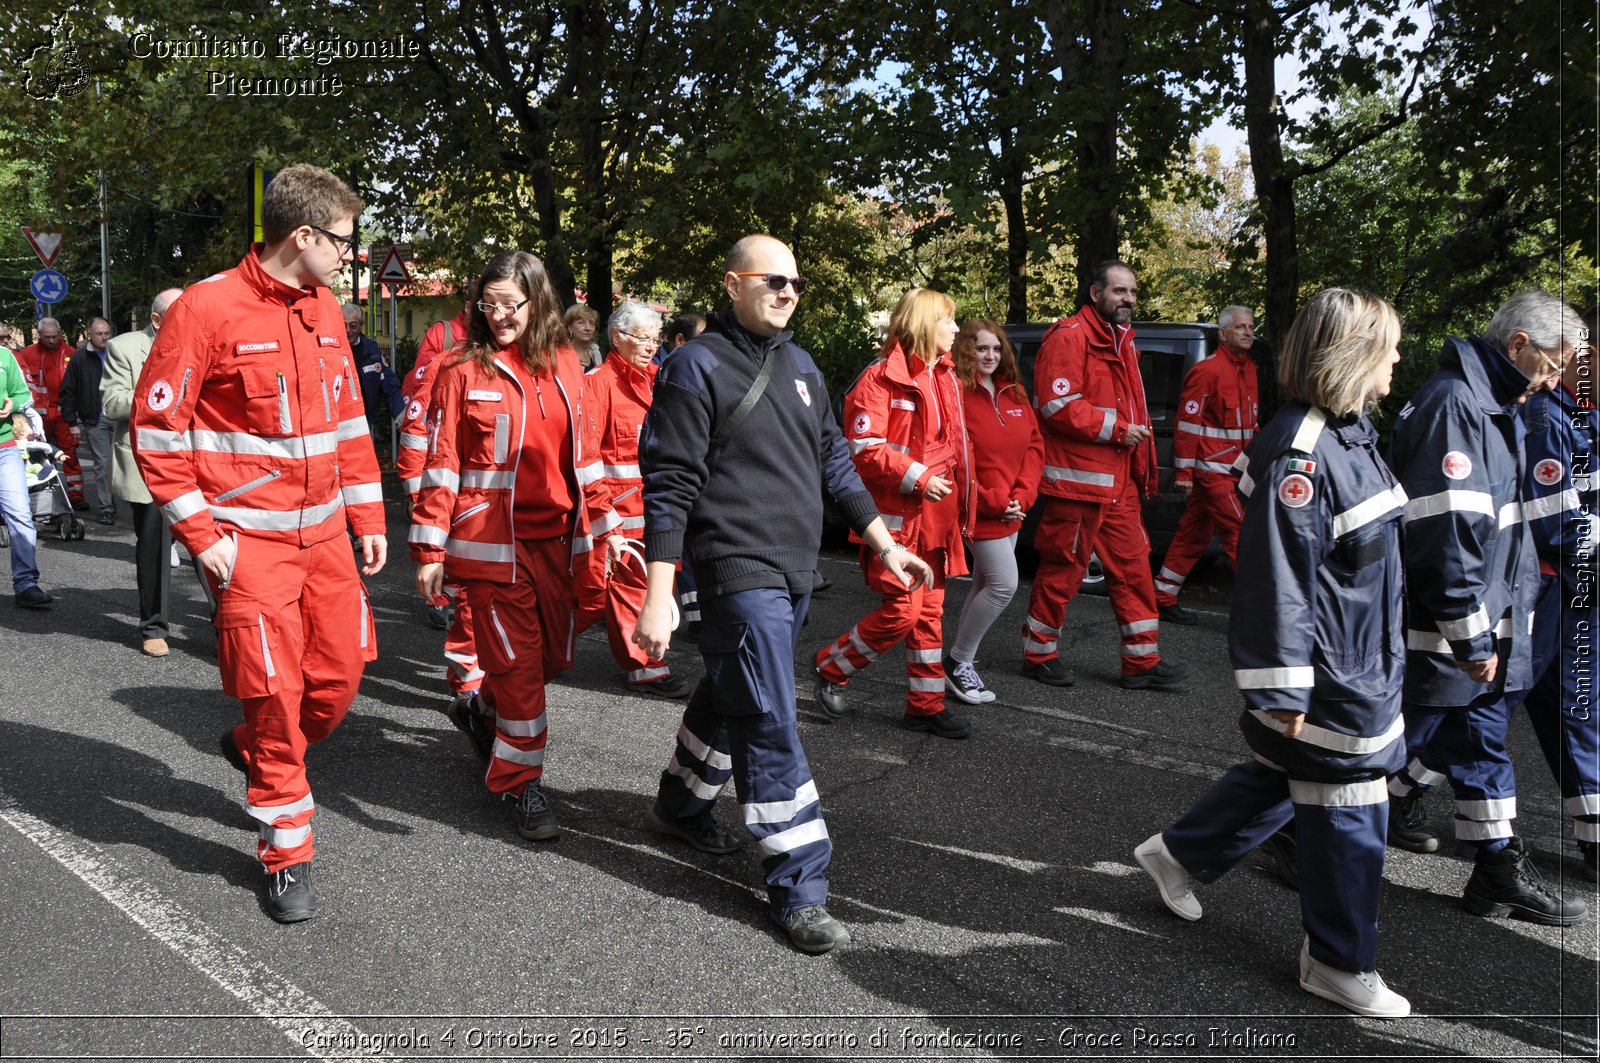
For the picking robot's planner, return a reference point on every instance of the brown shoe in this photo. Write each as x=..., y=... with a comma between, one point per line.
x=155, y=648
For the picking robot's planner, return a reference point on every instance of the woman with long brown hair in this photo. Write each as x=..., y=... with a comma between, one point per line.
x=503, y=511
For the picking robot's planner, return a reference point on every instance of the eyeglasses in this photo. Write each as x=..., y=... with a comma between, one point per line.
x=502, y=308
x=649, y=339
x=1551, y=367
x=778, y=282
x=345, y=244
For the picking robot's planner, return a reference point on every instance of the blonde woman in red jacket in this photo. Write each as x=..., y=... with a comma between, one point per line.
x=903, y=420
x=503, y=511
x=1007, y=461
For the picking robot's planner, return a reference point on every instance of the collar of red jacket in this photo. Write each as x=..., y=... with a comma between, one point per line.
x=899, y=359
x=1101, y=331
x=1236, y=357
x=270, y=287
x=626, y=370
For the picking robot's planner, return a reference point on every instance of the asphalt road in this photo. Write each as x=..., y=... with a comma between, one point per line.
x=989, y=883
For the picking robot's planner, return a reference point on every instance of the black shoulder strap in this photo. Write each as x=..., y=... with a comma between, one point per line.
x=748, y=403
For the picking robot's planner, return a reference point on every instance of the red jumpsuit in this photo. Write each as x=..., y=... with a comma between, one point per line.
x=43, y=371
x=1217, y=416
x=1089, y=393
x=904, y=427
x=503, y=506
x=247, y=422
x=461, y=672
x=616, y=398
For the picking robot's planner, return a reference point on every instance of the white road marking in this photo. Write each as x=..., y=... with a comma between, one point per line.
x=1032, y=867
x=294, y=1013
x=1107, y=919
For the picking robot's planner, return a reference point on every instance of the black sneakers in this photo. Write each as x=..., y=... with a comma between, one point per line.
x=962, y=680
x=536, y=821
x=1177, y=614
x=1164, y=676
x=701, y=832
x=1408, y=824
x=467, y=714
x=668, y=686
x=1507, y=883
x=811, y=929
x=289, y=896
x=944, y=723
x=1051, y=673
x=35, y=597
x=439, y=617
x=830, y=696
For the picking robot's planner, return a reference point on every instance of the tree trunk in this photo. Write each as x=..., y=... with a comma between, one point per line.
x=590, y=39
x=1274, y=182
x=1010, y=174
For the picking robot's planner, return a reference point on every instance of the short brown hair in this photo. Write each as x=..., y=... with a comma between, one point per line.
x=964, y=353
x=305, y=195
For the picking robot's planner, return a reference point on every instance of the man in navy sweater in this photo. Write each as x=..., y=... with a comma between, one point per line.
x=749, y=508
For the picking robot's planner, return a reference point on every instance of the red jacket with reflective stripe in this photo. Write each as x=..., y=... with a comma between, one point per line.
x=615, y=399
x=1007, y=456
x=247, y=416
x=43, y=371
x=891, y=436
x=1088, y=391
x=1217, y=414
x=464, y=511
x=417, y=388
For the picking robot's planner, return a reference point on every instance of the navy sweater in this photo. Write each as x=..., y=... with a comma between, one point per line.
x=751, y=514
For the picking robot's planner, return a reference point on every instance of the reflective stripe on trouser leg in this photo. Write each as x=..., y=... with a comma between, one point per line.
x=752, y=688
x=1422, y=724
x=701, y=765
x=1065, y=541
x=1124, y=552
x=514, y=625
x=1189, y=542
x=1237, y=814
x=924, y=646
x=1468, y=746
x=1340, y=830
x=460, y=651
x=1562, y=705
x=283, y=832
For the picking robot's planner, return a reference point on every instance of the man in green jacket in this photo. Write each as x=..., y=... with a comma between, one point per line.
x=14, y=506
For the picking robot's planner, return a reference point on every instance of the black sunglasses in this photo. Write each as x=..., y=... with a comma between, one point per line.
x=778, y=282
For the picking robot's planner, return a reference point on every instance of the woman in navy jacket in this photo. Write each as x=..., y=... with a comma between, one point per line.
x=1318, y=645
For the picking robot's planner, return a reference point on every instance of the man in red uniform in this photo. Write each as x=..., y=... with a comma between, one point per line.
x=1217, y=416
x=43, y=365
x=249, y=430
x=1100, y=459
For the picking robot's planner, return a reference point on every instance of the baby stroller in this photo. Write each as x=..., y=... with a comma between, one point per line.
x=49, y=491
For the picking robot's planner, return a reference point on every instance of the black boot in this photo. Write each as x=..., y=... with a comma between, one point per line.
x=1408, y=824
x=1507, y=883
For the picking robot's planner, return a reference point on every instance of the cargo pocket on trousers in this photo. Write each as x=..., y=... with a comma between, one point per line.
x=245, y=654
x=731, y=668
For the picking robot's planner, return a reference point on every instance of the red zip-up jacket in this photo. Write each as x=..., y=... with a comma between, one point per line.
x=247, y=417
x=43, y=371
x=464, y=511
x=616, y=397
x=893, y=441
x=1007, y=455
x=1088, y=392
x=1217, y=415
x=417, y=390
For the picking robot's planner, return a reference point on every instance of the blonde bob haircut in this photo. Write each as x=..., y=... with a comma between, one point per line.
x=1337, y=344
x=915, y=322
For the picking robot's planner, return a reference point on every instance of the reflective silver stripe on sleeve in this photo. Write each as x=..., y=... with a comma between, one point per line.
x=1450, y=502
x=1294, y=677
x=908, y=482
x=412, y=441
x=411, y=484
x=1475, y=623
x=488, y=479
x=1183, y=463
x=1364, y=513
x=184, y=507
x=1214, y=466
x=159, y=440
x=1095, y=479
x=1055, y=405
x=1510, y=513
x=591, y=473
x=277, y=519
x=1433, y=642
x=605, y=524
x=471, y=551
x=623, y=472
x=1108, y=425
x=290, y=448
x=441, y=478
x=359, y=494
x=1550, y=505
x=351, y=428
x=427, y=535
x=862, y=443
x=1336, y=741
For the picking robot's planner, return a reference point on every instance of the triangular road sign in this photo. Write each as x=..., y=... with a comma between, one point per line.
x=394, y=269
x=46, y=245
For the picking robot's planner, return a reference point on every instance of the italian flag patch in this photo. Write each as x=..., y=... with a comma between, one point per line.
x=1302, y=465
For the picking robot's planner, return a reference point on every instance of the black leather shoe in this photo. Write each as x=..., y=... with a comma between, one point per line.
x=702, y=832
x=1164, y=676
x=1507, y=883
x=1408, y=825
x=1051, y=673
x=830, y=697
x=811, y=929
x=289, y=896
x=536, y=820
x=1177, y=614
x=34, y=598
x=944, y=723
x=468, y=717
x=668, y=686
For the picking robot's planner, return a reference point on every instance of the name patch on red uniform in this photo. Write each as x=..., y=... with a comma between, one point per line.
x=1548, y=472
x=255, y=348
x=327, y=341
x=1295, y=491
x=479, y=395
x=902, y=404
x=1456, y=465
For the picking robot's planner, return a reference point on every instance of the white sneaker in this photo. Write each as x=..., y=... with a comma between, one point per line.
x=1364, y=993
x=1176, y=884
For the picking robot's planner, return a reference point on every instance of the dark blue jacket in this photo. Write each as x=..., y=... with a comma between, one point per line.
x=1561, y=490
x=1317, y=624
x=1471, y=574
x=380, y=387
x=750, y=514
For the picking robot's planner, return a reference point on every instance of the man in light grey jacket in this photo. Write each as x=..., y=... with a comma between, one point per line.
x=153, y=544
